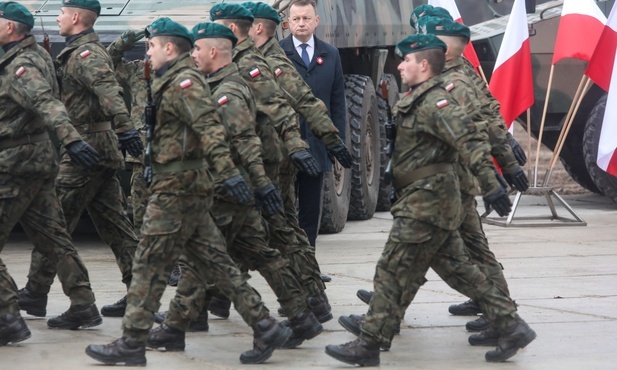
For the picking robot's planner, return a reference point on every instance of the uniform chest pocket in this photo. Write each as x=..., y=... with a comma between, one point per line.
x=408, y=122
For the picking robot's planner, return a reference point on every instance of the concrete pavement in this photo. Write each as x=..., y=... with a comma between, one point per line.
x=564, y=280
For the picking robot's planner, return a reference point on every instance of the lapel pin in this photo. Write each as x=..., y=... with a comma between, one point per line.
x=319, y=60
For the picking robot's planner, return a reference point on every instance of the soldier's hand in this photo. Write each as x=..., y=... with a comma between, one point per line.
x=518, y=152
x=131, y=142
x=238, y=189
x=83, y=154
x=340, y=152
x=305, y=162
x=269, y=200
x=501, y=180
x=517, y=179
x=499, y=201
x=130, y=37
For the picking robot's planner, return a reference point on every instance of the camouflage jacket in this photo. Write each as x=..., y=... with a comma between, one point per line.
x=29, y=105
x=299, y=95
x=236, y=107
x=187, y=130
x=130, y=75
x=276, y=120
x=92, y=95
x=431, y=129
x=489, y=108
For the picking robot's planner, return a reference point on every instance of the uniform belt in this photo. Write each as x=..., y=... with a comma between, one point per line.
x=93, y=127
x=178, y=166
x=432, y=169
x=27, y=139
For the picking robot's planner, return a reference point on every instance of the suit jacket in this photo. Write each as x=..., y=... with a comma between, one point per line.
x=325, y=77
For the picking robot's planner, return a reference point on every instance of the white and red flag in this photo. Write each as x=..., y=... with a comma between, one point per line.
x=450, y=5
x=601, y=69
x=512, y=80
x=580, y=27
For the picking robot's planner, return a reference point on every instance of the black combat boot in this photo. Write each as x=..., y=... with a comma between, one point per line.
x=364, y=295
x=175, y=276
x=124, y=351
x=199, y=324
x=469, y=308
x=352, y=324
x=325, y=278
x=82, y=316
x=164, y=336
x=13, y=329
x=517, y=335
x=116, y=309
x=358, y=352
x=479, y=324
x=34, y=304
x=321, y=307
x=268, y=334
x=219, y=306
x=488, y=337
x=304, y=326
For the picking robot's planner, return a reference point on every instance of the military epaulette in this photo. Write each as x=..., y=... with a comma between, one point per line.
x=186, y=83
x=255, y=72
x=223, y=100
x=20, y=71
x=84, y=53
x=278, y=72
x=450, y=86
x=442, y=103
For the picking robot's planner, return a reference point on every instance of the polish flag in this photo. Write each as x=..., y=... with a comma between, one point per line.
x=450, y=5
x=512, y=80
x=600, y=69
x=579, y=30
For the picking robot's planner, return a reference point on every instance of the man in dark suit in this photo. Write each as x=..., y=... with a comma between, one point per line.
x=319, y=64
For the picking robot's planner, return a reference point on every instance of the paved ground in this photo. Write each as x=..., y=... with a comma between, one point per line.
x=564, y=280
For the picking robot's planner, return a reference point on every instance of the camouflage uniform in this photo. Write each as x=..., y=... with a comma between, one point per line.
x=177, y=221
x=28, y=165
x=431, y=130
x=245, y=234
x=93, y=100
x=277, y=122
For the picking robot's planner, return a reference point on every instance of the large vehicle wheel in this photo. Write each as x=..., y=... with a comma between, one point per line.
x=383, y=197
x=363, y=115
x=606, y=183
x=336, y=192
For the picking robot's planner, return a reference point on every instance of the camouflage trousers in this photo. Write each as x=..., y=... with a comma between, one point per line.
x=139, y=195
x=100, y=193
x=34, y=204
x=176, y=226
x=412, y=248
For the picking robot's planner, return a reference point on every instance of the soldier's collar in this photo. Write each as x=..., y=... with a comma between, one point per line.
x=10, y=45
x=161, y=71
x=72, y=38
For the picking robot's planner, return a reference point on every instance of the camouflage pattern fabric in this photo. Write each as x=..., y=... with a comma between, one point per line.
x=139, y=196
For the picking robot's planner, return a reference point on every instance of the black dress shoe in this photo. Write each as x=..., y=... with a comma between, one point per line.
x=124, y=351
x=358, y=352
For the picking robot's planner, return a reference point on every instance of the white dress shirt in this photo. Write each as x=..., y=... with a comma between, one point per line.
x=310, y=49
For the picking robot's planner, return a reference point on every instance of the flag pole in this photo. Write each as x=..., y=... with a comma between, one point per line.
x=548, y=94
x=528, y=140
x=481, y=71
x=567, y=130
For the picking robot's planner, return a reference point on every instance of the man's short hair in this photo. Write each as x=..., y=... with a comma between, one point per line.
x=22, y=28
x=312, y=3
x=436, y=59
x=269, y=26
x=243, y=25
x=88, y=17
x=182, y=45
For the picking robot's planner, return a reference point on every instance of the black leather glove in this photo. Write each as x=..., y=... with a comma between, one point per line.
x=237, y=188
x=83, y=154
x=518, y=152
x=269, y=200
x=517, y=179
x=499, y=201
x=130, y=37
x=501, y=180
x=131, y=142
x=340, y=152
x=305, y=162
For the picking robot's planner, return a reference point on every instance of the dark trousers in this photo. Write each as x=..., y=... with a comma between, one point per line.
x=309, y=204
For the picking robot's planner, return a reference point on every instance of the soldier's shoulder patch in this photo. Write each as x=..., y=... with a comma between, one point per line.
x=84, y=54
x=186, y=83
x=277, y=72
x=442, y=103
x=450, y=86
x=254, y=72
x=20, y=71
x=223, y=100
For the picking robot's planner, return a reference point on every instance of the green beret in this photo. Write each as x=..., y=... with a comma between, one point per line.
x=418, y=42
x=210, y=30
x=230, y=11
x=442, y=26
x=16, y=12
x=428, y=10
x=262, y=10
x=167, y=27
x=92, y=5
